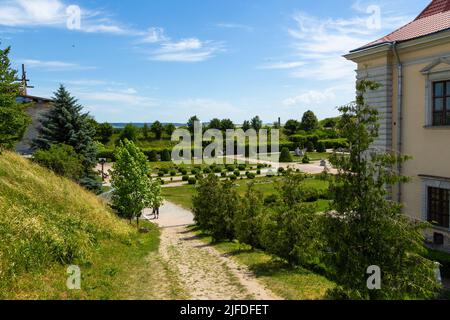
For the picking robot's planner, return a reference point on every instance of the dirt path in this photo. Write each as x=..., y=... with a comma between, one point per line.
x=204, y=273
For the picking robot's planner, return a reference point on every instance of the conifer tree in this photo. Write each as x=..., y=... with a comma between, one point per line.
x=13, y=119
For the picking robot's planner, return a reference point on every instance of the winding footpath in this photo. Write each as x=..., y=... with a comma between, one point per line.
x=204, y=273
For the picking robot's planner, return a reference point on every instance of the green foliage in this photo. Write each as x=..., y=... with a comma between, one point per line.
x=61, y=159
x=305, y=159
x=309, y=121
x=13, y=119
x=214, y=124
x=145, y=131
x=134, y=190
x=291, y=127
x=157, y=129
x=214, y=207
x=285, y=156
x=66, y=124
x=320, y=147
x=165, y=155
x=169, y=128
x=129, y=132
x=185, y=178
x=366, y=228
x=104, y=132
x=246, y=125
x=192, y=181
x=247, y=226
x=309, y=146
x=227, y=124
x=191, y=122
x=256, y=123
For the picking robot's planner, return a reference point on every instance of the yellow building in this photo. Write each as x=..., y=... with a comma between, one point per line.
x=413, y=66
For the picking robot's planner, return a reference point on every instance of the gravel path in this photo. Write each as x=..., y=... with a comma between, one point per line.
x=205, y=273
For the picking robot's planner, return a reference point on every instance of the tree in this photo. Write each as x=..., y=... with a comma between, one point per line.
x=285, y=156
x=165, y=155
x=169, y=128
x=129, y=132
x=13, y=119
x=256, y=123
x=227, y=124
x=190, y=123
x=104, y=132
x=145, y=131
x=367, y=229
x=246, y=125
x=61, y=159
x=157, y=129
x=214, y=124
x=309, y=121
x=320, y=147
x=247, y=219
x=66, y=124
x=133, y=189
x=291, y=127
x=329, y=123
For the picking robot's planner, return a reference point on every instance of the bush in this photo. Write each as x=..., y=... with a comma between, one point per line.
x=108, y=154
x=192, y=181
x=217, y=169
x=237, y=173
x=281, y=170
x=306, y=159
x=223, y=174
x=335, y=143
x=320, y=147
x=183, y=171
x=247, y=218
x=165, y=155
x=160, y=174
x=310, y=146
x=258, y=172
x=233, y=177
x=443, y=258
x=206, y=170
x=152, y=156
x=165, y=170
x=195, y=171
x=285, y=156
x=173, y=173
x=260, y=166
x=185, y=178
x=230, y=168
x=214, y=205
x=61, y=159
x=242, y=167
x=271, y=199
x=251, y=176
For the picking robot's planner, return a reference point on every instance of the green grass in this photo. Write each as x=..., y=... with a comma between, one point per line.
x=267, y=186
x=313, y=156
x=291, y=283
x=48, y=223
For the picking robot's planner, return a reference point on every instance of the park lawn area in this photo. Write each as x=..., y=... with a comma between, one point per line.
x=290, y=283
x=267, y=186
x=313, y=156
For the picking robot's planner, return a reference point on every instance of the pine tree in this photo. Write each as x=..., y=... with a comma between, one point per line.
x=66, y=124
x=367, y=229
x=13, y=119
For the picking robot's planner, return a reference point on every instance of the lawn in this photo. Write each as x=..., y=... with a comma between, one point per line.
x=313, y=156
x=267, y=186
x=290, y=283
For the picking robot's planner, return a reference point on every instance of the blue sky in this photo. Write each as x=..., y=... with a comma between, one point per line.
x=141, y=61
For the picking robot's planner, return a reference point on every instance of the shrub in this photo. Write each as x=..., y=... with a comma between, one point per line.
x=206, y=170
x=305, y=159
x=183, y=171
x=195, y=171
x=260, y=166
x=309, y=146
x=242, y=167
x=258, y=172
x=281, y=170
x=160, y=174
x=185, y=178
x=270, y=199
x=192, y=180
x=247, y=218
x=61, y=159
x=152, y=156
x=233, y=177
x=165, y=170
x=285, y=156
x=230, y=168
x=217, y=169
x=335, y=143
x=165, y=155
x=223, y=174
x=320, y=147
x=214, y=205
x=173, y=173
x=237, y=173
x=251, y=176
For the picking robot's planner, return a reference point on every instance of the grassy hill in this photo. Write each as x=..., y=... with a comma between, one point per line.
x=48, y=223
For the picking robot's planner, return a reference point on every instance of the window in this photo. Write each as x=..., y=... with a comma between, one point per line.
x=441, y=103
x=439, y=206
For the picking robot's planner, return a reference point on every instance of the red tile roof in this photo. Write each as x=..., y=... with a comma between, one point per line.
x=435, y=18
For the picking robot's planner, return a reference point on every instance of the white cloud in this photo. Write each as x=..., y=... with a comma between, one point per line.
x=229, y=25
x=125, y=98
x=310, y=98
x=35, y=12
x=155, y=35
x=53, y=65
x=186, y=50
x=282, y=65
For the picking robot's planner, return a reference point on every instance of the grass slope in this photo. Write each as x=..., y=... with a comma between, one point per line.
x=48, y=223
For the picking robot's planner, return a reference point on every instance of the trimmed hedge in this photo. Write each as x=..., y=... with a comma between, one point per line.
x=335, y=143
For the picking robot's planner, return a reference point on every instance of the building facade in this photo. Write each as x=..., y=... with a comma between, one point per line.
x=413, y=66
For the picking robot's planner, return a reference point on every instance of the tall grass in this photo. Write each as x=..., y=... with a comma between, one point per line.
x=46, y=219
